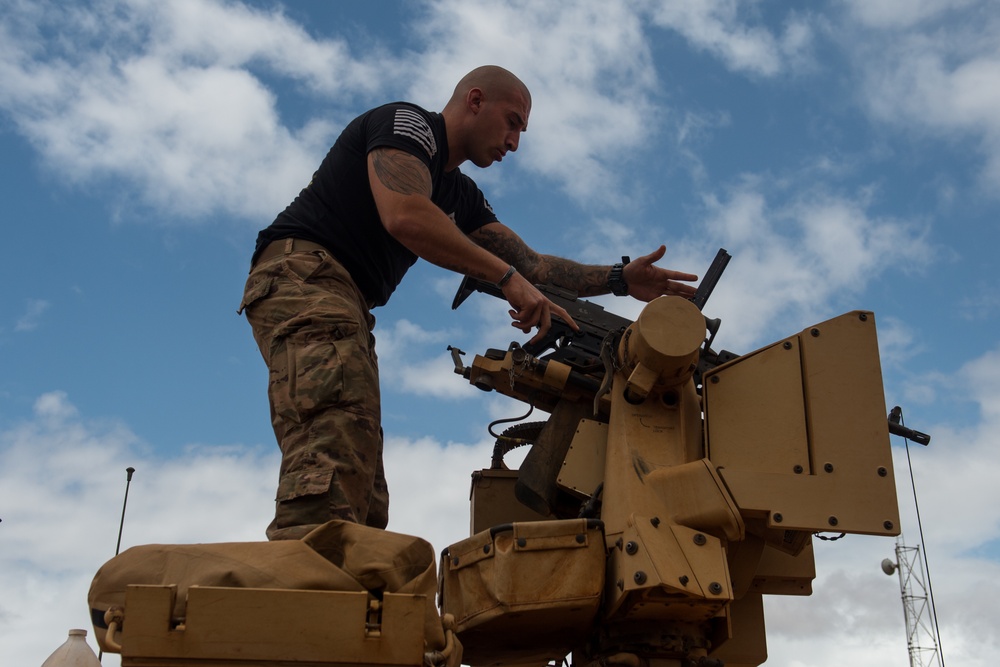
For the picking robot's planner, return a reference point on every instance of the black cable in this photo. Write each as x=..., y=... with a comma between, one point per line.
x=920, y=528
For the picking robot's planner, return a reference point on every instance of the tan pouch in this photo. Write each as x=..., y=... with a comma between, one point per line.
x=336, y=556
x=526, y=591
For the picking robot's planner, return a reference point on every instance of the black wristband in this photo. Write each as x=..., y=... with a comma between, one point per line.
x=616, y=283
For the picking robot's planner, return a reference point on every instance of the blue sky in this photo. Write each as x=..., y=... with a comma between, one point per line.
x=846, y=153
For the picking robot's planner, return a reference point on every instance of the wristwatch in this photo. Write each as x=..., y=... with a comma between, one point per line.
x=616, y=283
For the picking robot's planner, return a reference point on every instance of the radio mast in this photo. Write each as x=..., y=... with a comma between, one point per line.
x=921, y=629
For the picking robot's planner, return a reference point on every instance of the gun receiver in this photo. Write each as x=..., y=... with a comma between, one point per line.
x=582, y=350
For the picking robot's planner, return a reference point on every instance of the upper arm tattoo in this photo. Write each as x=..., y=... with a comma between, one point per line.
x=401, y=172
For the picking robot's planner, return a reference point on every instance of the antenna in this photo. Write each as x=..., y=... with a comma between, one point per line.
x=128, y=480
x=923, y=636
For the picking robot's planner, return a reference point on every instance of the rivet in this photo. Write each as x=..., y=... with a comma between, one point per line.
x=832, y=521
x=887, y=525
x=684, y=580
x=828, y=467
x=863, y=317
x=787, y=345
x=521, y=542
x=715, y=379
x=580, y=539
x=699, y=539
x=486, y=548
x=640, y=577
x=798, y=469
x=715, y=588
x=655, y=521
x=631, y=547
x=777, y=517
x=454, y=561
x=621, y=584
x=882, y=472
x=814, y=332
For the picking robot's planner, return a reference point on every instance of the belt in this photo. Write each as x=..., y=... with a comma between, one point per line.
x=281, y=247
x=288, y=246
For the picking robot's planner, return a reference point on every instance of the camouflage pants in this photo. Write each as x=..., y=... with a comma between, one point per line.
x=314, y=331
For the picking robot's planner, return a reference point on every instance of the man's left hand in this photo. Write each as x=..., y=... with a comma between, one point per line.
x=647, y=282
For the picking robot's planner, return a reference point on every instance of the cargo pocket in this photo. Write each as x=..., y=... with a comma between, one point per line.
x=313, y=482
x=254, y=292
x=311, y=496
x=317, y=368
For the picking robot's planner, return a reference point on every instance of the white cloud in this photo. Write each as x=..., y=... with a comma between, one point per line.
x=587, y=64
x=893, y=14
x=30, y=320
x=724, y=29
x=939, y=78
x=169, y=101
x=62, y=483
x=794, y=257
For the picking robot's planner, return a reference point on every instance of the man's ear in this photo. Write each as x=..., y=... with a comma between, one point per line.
x=474, y=100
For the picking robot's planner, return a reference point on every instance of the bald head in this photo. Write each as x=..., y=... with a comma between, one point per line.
x=495, y=83
x=485, y=116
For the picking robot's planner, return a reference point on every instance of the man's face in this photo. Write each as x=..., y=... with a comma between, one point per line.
x=499, y=124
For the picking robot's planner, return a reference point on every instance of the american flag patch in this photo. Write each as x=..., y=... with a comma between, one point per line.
x=409, y=123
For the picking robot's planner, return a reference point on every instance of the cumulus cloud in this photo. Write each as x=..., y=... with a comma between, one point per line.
x=175, y=99
x=62, y=479
x=172, y=101
x=800, y=254
x=936, y=78
x=588, y=66
x=727, y=30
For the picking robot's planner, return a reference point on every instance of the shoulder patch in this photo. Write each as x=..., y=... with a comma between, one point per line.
x=412, y=125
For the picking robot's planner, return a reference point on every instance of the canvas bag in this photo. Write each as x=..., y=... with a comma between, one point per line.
x=337, y=556
x=524, y=591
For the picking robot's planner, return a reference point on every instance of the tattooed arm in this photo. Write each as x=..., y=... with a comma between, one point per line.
x=645, y=281
x=585, y=280
x=401, y=186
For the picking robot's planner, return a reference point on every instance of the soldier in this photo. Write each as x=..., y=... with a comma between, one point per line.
x=388, y=192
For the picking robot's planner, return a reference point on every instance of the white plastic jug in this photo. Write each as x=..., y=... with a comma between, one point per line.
x=75, y=652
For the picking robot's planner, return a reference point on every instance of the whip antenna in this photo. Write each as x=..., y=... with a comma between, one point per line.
x=128, y=480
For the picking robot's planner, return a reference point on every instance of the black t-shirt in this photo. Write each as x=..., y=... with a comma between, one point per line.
x=337, y=209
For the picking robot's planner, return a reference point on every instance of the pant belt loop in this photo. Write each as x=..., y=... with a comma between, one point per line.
x=289, y=242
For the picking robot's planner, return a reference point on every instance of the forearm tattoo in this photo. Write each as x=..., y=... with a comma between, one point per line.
x=586, y=280
x=401, y=172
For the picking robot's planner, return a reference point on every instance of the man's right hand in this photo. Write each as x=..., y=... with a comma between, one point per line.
x=531, y=308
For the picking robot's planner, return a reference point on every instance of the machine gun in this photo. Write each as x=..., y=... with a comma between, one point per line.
x=588, y=351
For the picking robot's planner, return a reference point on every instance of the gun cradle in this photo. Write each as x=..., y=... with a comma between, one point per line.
x=710, y=501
